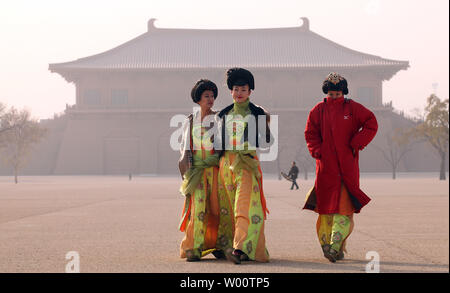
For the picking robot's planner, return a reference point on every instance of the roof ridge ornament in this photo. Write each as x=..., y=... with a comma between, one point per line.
x=151, y=25
x=305, y=24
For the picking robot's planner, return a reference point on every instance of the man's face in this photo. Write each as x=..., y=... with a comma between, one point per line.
x=240, y=93
x=334, y=94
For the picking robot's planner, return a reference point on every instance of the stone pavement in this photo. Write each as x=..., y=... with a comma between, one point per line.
x=117, y=225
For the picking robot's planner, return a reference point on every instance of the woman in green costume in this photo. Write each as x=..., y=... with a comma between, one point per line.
x=207, y=226
x=240, y=170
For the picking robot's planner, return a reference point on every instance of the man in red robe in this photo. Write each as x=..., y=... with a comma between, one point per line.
x=336, y=130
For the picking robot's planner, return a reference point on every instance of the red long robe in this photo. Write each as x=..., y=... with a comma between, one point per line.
x=335, y=132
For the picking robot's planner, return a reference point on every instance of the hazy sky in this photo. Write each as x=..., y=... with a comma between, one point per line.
x=36, y=33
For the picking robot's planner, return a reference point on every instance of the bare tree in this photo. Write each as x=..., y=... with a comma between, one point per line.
x=305, y=161
x=398, y=143
x=281, y=148
x=21, y=132
x=4, y=126
x=2, y=109
x=434, y=128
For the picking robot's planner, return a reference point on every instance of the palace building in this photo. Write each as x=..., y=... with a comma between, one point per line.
x=126, y=96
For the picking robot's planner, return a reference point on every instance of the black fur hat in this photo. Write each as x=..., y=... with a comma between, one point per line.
x=201, y=86
x=335, y=82
x=240, y=76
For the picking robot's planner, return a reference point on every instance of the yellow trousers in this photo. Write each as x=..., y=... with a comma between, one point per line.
x=334, y=229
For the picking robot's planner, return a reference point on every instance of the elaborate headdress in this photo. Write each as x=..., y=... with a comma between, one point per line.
x=240, y=76
x=335, y=82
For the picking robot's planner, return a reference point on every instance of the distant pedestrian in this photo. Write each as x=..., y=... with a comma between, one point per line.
x=293, y=174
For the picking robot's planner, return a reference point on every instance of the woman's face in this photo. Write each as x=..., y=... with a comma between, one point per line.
x=206, y=100
x=334, y=94
x=240, y=93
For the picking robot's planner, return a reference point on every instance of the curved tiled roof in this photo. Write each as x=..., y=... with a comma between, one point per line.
x=294, y=47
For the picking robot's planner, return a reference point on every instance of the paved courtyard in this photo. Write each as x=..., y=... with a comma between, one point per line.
x=117, y=225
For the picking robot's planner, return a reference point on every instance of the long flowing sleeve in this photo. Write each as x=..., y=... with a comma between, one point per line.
x=184, y=137
x=185, y=161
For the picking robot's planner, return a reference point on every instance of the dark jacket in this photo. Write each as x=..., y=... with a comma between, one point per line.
x=293, y=173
